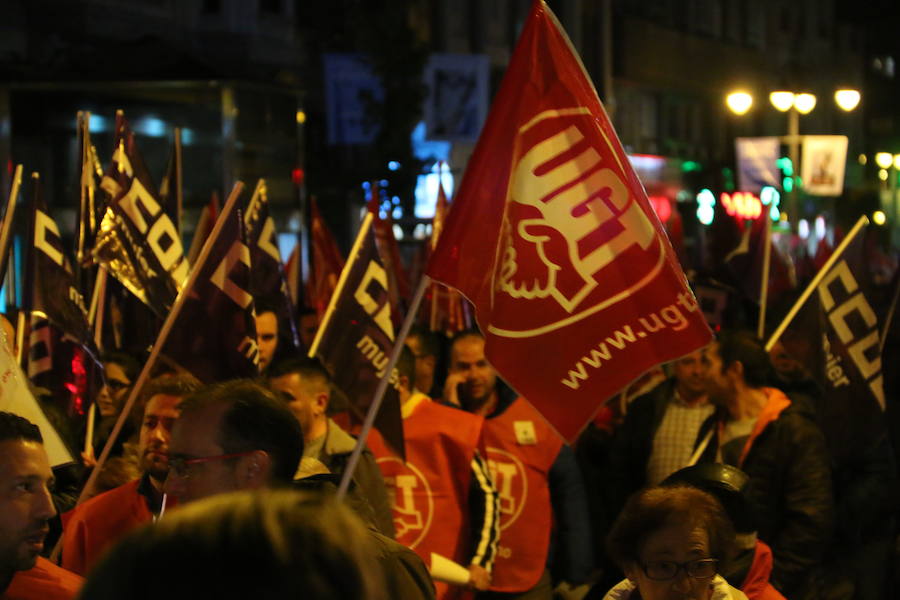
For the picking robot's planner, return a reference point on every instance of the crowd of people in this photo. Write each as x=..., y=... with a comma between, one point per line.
x=714, y=480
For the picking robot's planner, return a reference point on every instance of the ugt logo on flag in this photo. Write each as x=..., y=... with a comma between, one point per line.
x=570, y=217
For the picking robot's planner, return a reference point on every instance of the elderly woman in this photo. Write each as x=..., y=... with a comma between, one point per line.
x=669, y=541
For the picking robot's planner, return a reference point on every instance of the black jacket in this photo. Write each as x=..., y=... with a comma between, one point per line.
x=790, y=492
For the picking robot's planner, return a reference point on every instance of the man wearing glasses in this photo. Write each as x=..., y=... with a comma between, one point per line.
x=92, y=526
x=237, y=436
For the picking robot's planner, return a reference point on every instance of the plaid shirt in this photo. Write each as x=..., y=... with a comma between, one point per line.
x=675, y=438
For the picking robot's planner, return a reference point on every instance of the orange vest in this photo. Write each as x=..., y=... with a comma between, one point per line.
x=88, y=529
x=521, y=448
x=430, y=493
x=44, y=581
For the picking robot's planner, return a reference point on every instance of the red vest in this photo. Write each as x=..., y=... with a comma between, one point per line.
x=88, y=529
x=521, y=448
x=430, y=493
x=44, y=581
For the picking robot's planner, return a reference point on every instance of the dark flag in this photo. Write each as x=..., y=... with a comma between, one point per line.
x=138, y=241
x=836, y=336
x=91, y=205
x=327, y=262
x=389, y=250
x=168, y=185
x=205, y=223
x=355, y=341
x=267, y=279
x=61, y=345
x=744, y=265
x=214, y=337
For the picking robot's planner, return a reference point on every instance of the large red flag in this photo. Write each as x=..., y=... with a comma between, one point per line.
x=551, y=236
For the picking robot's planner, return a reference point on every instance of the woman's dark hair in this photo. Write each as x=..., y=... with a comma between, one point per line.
x=262, y=544
x=652, y=509
x=130, y=365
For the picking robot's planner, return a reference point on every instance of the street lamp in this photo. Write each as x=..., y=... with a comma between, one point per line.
x=847, y=100
x=795, y=104
x=739, y=102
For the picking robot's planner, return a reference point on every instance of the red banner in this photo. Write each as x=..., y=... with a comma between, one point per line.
x=448, y=314
x=327, y=262
x=551, y=236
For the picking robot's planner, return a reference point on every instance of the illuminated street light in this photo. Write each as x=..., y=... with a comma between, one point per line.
x=878, y=217
x=804, y=103
x=884, y=159
x=847, y=100
x=796, y=104
x=782, y=101
x=739, y=102
x=883, y=174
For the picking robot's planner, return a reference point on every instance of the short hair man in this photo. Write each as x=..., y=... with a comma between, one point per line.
x=92, y=526
x=775, y=440
x=26, y=508
x=524, y=453
x=444, y=501
x=266, y=334
x=238, y=436
x=660, y=429
x=426, y=350
x=307, y=387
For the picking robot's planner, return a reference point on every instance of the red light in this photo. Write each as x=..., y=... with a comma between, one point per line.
x=742, y=205
x=78, y=387
x=662, y=206
x=297, y=175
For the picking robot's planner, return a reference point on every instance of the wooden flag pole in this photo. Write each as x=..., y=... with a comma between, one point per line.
x=342, y=281
x=863, y=221
x=161, y=340
x=8, y=220
x=95, y=311
x=764, y=284
x=382, y=386
x=23, y=332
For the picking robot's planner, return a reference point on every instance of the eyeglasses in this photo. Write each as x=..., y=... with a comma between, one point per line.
x=180, y=466
x=664, y=570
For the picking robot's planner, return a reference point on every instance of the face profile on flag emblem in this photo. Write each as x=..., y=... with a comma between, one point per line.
x=570, y=217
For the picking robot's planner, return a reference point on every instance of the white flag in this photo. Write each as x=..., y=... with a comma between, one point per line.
x=824, y=159
x=15, y=397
